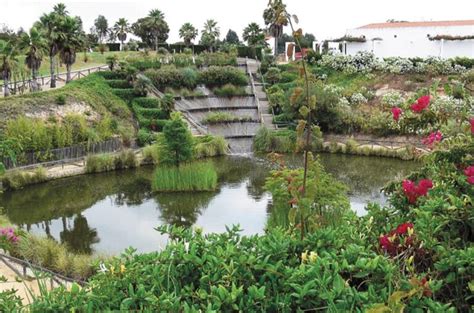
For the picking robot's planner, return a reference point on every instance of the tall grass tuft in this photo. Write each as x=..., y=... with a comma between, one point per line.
x=16, y=179
x=151, y=154
x=109, y=162
x=210, y=146
x=198, y=176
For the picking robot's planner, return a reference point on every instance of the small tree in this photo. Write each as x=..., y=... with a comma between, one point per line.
x=178, y=141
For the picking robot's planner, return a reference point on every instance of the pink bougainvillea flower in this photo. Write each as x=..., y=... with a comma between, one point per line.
x=413, y=191
x=422, y=103
x=396, y=112
x=469, y=172
x=471, y=121
x=402, y=229
x=434, y=137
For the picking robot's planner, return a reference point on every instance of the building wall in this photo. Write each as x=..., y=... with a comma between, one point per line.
x=413, y=42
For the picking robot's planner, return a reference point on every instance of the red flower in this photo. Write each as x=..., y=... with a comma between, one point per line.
x=432, y=138
x=422, y=103
x=469, y=171
x=471, y=121
x=396, y=112
x=413, y=191
x=403, y=228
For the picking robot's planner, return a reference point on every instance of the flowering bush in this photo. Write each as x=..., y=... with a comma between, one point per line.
x=358, y=98
x=396, y=112
x=392, y=99
x=8, y=238
x=471, y=121
x=421, y=104
x=413, y=191
x=433, y=138
x=397, y=240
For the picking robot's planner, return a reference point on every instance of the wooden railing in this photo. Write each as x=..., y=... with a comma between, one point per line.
x=22, y=86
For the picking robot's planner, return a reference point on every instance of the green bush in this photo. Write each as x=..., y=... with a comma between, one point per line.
x=112, y=75
x=109, y=162
x=61, y=99
x=151, y=154
x=195, y=176
x=144, y=102
x=150, y=113
x=16, y=179
x=119, y=84
x=210, y=146
x=229, y=90
x=144, y=63
x=216, y=76
x=144, y=137
x=172, y=77
x=127, y=94
x=224, y=117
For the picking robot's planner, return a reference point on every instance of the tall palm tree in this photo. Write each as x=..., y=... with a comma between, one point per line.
x=275, y=17
x=60, y=9
x=121, y=29
x=8, y=61
x=35, y=46
x=254, y=35
x=49, y=24
x=155, y=22
x=71, y=42
x=210, y=33
x=188, y=33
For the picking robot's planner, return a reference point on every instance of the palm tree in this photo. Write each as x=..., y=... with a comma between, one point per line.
x=254, y=35
x=71, y=42
x=60, y=9
x=35, y=46
x=275, y=17
x=210, y=33
x=188, y=33
x=155, y=22
x=121, y=28
x=8, y=61
x=49, y=25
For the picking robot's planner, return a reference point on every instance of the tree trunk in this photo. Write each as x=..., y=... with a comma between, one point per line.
x=52, y=83
x=34, y=82
x=121, y=45
x=276, y=46
x=6, y=87
x=68, y=75
x=156, y=43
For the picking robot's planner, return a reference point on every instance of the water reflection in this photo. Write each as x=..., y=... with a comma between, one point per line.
x=109, y=212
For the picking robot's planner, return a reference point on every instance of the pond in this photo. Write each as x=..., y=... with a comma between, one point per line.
x=106, y=213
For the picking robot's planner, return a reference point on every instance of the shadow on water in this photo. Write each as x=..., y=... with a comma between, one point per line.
x=111, y=211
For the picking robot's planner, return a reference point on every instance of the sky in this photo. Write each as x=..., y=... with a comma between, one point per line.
x=325, y=19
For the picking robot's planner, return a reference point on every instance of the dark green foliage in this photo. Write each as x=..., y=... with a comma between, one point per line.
x=220, y=76
x=119, y=83
x=112, y=75
x=146, y=63
x=178, y=141
x=144, y=102
x=144, y=137
x=61, y=99
x=126, y=94
x=172, y=77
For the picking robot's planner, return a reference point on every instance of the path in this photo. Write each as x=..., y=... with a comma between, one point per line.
x=44, y=81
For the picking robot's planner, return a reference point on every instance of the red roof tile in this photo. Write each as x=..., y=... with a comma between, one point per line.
x=419, y=24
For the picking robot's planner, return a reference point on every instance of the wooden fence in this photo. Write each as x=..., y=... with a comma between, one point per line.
x=22, y=86
x=64, y=155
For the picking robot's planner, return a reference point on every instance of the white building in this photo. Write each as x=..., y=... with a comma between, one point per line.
x=444, y=39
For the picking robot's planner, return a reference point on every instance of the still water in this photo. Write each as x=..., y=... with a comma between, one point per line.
x=107, y=213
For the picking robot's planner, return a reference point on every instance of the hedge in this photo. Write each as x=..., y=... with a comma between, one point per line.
x=144, y=102
x=119, y=83
x=216, y=76
x=112, y=75
x=174, y=78
x=150, y=113
x=126, y=94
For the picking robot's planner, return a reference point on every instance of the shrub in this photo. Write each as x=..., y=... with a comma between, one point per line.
x=273, y=75
x=218, y=76
x=177, y=141
x=112, y=75
x=61, y=99
x=151, y=154
x=210, y=146
x=125, y=159
x=224, y=117
x=172, y=77
x=144, y=137
x=196, y=176
x=127, y=94
x=100, y=163
x=145, y=102
x=119, y=83
x=17, y=179
x=229, y=90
